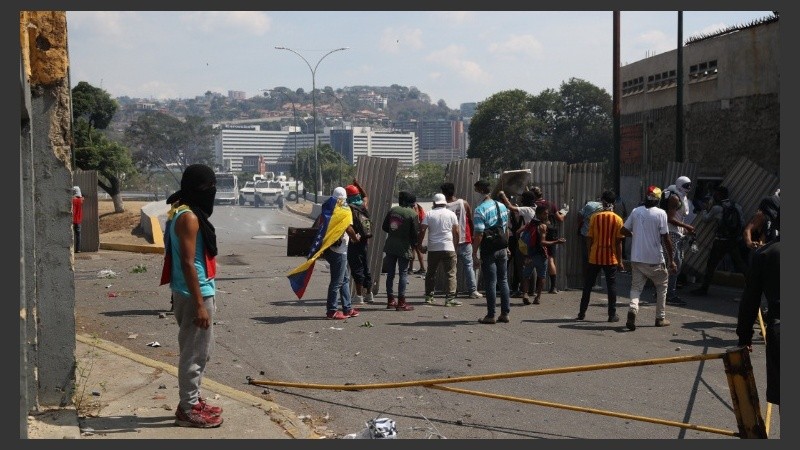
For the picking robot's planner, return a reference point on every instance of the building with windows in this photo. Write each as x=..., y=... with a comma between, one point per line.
x=440, y=141
x=239, y=148
x=386, y=144
x=731, y=103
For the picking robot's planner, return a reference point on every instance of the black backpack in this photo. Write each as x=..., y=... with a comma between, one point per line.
x=361, y=221
x=730, y=226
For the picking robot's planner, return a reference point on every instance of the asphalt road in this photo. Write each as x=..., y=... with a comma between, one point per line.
x=264, y=332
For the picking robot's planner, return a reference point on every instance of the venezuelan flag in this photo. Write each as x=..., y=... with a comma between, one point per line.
x=333, y=223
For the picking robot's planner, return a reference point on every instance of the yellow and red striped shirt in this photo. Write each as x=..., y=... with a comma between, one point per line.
x=604, y=229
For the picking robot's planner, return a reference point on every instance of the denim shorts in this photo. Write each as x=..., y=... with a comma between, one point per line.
x=536, y=262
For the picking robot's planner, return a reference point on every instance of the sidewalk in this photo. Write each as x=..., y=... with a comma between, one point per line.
x=123, y=395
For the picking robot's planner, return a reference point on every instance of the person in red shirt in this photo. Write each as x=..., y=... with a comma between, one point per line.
x=556, y=217
x=604, y=242
x=77, y=216
x=417, y=250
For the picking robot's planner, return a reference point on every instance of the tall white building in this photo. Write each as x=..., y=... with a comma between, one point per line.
x=386, y=144
x=239, y=147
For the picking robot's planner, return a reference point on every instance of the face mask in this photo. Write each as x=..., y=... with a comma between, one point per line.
x=206, y=200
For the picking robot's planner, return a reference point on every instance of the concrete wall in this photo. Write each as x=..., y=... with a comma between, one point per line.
x=727, y=115
x=748, y=64
x=47, y=278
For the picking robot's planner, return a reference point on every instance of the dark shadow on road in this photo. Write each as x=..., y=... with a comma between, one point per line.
x=125, y=424
x=437, y=323
x=134, y=312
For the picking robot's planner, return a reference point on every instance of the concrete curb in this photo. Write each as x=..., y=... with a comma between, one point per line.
x=132, y=247
x=283, y=417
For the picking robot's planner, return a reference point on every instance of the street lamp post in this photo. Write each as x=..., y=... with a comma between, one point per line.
x=341, y=137
x=318, y=181
x=294, y=122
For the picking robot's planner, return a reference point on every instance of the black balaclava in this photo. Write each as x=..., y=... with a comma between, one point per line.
x=198, y=189
x=406, y=199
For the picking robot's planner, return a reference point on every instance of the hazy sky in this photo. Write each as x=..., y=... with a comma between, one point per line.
x=456, y=56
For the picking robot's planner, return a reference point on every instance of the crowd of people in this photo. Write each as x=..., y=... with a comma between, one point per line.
x=507, y=240
x=459, y=238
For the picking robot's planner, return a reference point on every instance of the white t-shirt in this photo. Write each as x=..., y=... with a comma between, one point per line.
x=647, y=225
x=527, y=213
x=440, y=222
x=457, y=206
x=342, y=248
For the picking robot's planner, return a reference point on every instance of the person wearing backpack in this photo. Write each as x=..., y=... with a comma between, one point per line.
x=604, y=244
x=535, y=248
x=526, y=214
x=494, y=261
x=401, y=225
x=555, y=218
x=357, y=257
x=729, y=220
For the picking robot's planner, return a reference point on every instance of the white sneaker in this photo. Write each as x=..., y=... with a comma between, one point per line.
x=358, y=300
x=476, y=294
x=368, y=297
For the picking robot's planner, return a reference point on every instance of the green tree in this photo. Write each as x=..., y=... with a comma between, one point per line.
x=110, y=159
x=573, y=124
x=423, y=180
x=161, y=141
x=92, y=111
x=503, y=132
x=583, y=131
x=94, y=105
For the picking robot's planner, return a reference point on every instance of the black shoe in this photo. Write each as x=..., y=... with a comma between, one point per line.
x=581, y=316
x=614, y=318
x=677, y=301
x=631, y=323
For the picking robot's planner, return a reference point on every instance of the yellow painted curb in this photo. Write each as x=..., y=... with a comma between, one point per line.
x=132, y=247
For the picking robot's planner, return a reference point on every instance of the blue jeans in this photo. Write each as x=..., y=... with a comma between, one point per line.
x=340, y=281
x=396, y=262
x=677, y=256
x=495, y=270
x=464, y=254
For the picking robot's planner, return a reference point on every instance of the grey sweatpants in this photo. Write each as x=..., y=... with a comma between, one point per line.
x=195, y=345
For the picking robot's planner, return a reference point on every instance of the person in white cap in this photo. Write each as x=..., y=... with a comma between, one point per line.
x=677, y=210
x=77, y=216
x=444, y=233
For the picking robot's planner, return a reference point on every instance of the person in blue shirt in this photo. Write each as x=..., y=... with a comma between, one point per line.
x=494, y=264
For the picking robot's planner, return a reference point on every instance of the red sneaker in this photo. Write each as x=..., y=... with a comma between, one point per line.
x=211, y=409
x=352, y=313
x=337, y=315
x=196, y=418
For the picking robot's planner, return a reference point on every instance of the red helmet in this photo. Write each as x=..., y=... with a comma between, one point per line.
x=351, y=190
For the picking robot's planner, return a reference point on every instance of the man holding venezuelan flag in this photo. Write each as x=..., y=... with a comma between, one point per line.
x=335, y=225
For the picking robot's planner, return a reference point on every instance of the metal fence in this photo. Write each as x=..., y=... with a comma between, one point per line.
x=90, y=224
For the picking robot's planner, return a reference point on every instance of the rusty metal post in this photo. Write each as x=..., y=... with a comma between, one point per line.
x=744, y=395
